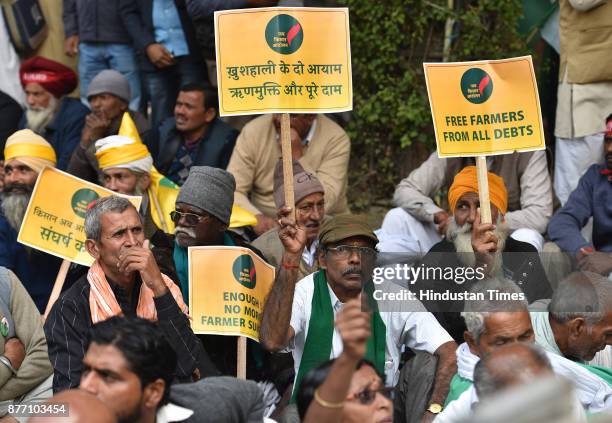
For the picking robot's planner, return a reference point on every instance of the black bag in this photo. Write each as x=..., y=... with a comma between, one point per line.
x=25, y=24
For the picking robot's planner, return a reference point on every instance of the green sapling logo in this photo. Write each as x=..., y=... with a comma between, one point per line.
x=284, y=34
x=476, y=85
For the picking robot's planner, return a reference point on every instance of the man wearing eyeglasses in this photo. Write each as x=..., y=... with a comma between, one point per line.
x=202, y=216
x=300, y=315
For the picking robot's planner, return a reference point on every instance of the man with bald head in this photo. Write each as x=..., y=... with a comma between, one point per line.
x=25, y=154
x=492, y=324
x=80, y=406
x=578, y=322
x=515, y=365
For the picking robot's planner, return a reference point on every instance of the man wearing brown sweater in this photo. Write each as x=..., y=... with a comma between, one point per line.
x=321, y=146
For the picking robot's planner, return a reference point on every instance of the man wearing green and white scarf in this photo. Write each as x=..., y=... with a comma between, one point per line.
x=300, y=314
x=577, y=323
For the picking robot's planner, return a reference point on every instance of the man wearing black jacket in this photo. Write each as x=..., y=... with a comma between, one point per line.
x=124, y=279
x=195, y=136
x=166, y=49
x=473, y=251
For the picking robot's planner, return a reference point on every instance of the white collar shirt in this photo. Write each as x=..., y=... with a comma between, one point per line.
x=418, y=330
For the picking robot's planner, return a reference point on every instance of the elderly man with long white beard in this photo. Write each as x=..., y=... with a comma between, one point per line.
x=473, y=250
x=25, y=156
x=50, y=112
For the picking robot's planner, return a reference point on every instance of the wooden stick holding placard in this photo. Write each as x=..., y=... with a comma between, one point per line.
x=287, y=163
x=241, y=354
x=483, y=189
x=57, y=286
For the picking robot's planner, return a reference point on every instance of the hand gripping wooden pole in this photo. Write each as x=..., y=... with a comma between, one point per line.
x=483, y=189
x=287, y=163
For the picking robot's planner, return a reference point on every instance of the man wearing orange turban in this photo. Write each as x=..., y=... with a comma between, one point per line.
x=50, y=113
x=472, y=251
x=25, y=154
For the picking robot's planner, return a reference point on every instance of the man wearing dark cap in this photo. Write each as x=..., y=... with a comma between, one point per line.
x=50, y=113
x=309, y=211
x=300, y=315
x=109, y=96
x=202, y=216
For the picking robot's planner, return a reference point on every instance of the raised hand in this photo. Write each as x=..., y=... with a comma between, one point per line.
x=354, y=327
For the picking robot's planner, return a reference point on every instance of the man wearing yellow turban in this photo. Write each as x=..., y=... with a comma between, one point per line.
x=25, y=155
x=472, y=251
x=127, y=168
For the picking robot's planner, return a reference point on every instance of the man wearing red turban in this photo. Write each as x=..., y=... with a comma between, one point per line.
x=49, y=112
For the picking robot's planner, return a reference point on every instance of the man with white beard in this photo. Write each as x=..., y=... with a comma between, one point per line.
x=201, y=217
x=50, y=113
x=25, y=156
x=473, y=250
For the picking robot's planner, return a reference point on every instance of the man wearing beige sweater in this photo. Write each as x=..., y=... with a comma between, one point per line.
x=321, y=146
x=25, y=369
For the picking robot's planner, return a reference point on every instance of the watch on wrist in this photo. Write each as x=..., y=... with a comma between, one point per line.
x=435, y=408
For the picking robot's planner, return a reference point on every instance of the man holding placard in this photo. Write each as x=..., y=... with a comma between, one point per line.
x=526, y=178
x=475, y=250
x=310, y=211
x=26, y=154
x=124, y=279
x=202, y=216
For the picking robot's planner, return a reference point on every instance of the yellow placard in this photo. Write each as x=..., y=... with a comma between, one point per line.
x=485, y=107
x=55, y=218
x=228, y=287
x=285, y=59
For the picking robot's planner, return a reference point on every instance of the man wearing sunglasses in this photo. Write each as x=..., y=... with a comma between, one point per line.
x=201, y=217
x=300, y=315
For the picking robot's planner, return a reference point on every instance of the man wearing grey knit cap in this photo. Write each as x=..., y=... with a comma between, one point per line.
x=201, y=217
x=109, y=96
x=309, y=213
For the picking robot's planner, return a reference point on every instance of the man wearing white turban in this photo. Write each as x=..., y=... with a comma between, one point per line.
x=126, y=166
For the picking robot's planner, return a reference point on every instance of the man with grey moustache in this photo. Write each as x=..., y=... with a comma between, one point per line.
x=26, y=154
x=469, y=243
x=202, y=215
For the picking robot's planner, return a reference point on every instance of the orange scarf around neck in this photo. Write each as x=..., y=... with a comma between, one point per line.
x=103, y=304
